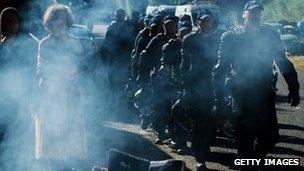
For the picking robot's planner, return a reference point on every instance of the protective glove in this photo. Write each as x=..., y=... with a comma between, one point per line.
x=294, y=98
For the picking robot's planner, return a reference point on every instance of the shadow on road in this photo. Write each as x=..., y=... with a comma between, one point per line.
x=281, y=98
x=287, y=151
x=292, y=127
x=226, y=159
x=291, y=140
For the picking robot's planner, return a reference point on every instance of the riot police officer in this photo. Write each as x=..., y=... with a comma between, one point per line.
x=199, y=51
x=247, y=54
x=170, y=76
x=134, y=82
x=150, y=63
x=116, y=51
x=141, y=42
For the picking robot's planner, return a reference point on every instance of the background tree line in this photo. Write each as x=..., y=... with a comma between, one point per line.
x=290, y=10
x=275, y=10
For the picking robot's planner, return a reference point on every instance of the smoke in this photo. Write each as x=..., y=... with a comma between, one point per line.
x=71, y=103
x=17, y=79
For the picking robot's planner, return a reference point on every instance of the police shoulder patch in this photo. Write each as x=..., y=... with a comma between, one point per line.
x=143, y=31
x=171, y=40
x=189, y=37
x=160, y=34
x=113, y=23
x=165, y=46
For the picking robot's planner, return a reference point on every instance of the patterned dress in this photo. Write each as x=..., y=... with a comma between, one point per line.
x=60, y=124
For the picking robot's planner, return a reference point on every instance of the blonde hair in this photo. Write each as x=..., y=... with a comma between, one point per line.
x=53, y=12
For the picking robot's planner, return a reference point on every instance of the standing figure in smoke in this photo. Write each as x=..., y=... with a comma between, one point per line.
x=246, y=55
x=60, y=127
x=14, y=36
x=18, y=52
x=116, y=51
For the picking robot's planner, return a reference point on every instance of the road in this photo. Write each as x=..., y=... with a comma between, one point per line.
x=128, y=137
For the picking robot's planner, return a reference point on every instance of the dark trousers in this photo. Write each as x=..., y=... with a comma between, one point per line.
x=257, y=126
x=162, y=117
x=197, y=108
x=204, y=131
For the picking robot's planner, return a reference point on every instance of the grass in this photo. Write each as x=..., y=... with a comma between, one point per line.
x=298, y=62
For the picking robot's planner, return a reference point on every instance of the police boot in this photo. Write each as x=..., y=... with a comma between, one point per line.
x=173, y=144
x=144, y=123
x=159, y=141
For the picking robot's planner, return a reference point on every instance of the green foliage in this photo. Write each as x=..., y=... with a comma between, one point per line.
x=290, y=10
x=275, y=10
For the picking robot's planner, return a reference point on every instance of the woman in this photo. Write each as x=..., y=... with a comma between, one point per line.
x=60, y=129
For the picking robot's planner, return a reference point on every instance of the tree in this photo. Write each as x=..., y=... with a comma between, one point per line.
x=276, y=10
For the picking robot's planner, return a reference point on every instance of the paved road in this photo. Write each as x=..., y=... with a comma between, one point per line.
x=130, y=138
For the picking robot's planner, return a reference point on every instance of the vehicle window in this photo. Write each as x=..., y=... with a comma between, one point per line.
x=79, y=32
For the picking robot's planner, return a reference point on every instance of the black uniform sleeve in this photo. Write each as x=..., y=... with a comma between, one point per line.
x=145, y=64
x=135, y=58
x=171, y=54
x=186, y=53
x=222, y=68
x=137, y=39
x=105, y=50
x=147, y=61
x=164, y=57
x=286, y=67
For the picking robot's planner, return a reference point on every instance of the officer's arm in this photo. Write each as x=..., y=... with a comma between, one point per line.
x=141, y=45
x=221, y=69
x=108, y=38
x=145, y=62
x=135, y=56
x=186, y=53
x=151, y=54
x=164, y=57
x=177, y=63
x=106, y=45
x=287, y=69
x=138, y=38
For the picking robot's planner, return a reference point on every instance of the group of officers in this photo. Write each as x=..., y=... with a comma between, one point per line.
x=189, y=82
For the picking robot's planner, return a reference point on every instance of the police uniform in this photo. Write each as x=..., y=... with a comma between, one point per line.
x=170, y=84
x=149, y=65
x=116, y=51
x=169, y=72
x=198, y=59
x=248, y=58
x=140, y=44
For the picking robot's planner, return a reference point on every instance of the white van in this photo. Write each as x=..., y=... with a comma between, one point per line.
x=194, y=10
x=151, y=10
